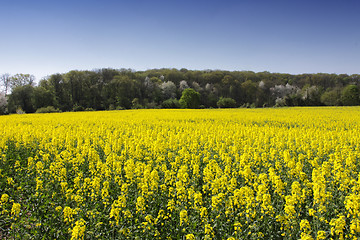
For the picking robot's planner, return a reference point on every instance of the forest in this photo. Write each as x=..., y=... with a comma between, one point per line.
x=111, y=89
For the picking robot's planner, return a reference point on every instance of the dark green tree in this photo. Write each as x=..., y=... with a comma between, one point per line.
x=120, y=92
x=75, y=84
x=43, y=97
x=350, y=96
x=249, y=90
x=56, y=84
x=22, y=97
x=331, y=98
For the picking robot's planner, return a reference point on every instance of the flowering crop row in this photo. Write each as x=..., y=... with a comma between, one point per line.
x=181, y=174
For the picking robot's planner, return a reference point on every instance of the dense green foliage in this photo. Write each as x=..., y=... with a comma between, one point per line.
x=48, y=109
x=226, y=103
x=170, y=103
x=350, y=95
x=162, y=88
x=190, y=98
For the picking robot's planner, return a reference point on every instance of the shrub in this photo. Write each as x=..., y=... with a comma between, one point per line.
x=135, y=104
x=151, y=105
x=48, y=109
x=226, y=103
x=78, y=108
x=120, y=108
x=245, y=105
x=170, y=103
x=20, y=111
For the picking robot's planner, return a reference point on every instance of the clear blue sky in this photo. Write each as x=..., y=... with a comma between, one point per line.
x=45, y=37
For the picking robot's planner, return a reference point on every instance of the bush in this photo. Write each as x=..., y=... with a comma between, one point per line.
x=19, y=110
x=120, y=108
x=78, y=108
x=170, y=103
x=151, y=105
x=48, y=109
x=135, y=104
x=226, y=103
x=111, y=107
x=280, y=102
x=245, y=105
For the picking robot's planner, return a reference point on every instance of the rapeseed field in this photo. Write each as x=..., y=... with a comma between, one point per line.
x=289, y=173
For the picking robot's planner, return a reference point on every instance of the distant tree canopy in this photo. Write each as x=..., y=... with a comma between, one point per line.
x=107, y=89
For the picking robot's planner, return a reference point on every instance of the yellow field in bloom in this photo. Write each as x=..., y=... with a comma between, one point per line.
x=286, y=173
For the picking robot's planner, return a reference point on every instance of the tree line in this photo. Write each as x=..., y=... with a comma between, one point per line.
x=109, y=89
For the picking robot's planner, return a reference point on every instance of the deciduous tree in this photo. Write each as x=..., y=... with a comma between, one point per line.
x=3, y=103
x=5, y=82
x=190, y=98
x=350, y=95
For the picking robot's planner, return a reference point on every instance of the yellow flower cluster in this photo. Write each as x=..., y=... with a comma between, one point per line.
x=184, y=174
x=15, y=210
x=79, y=230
